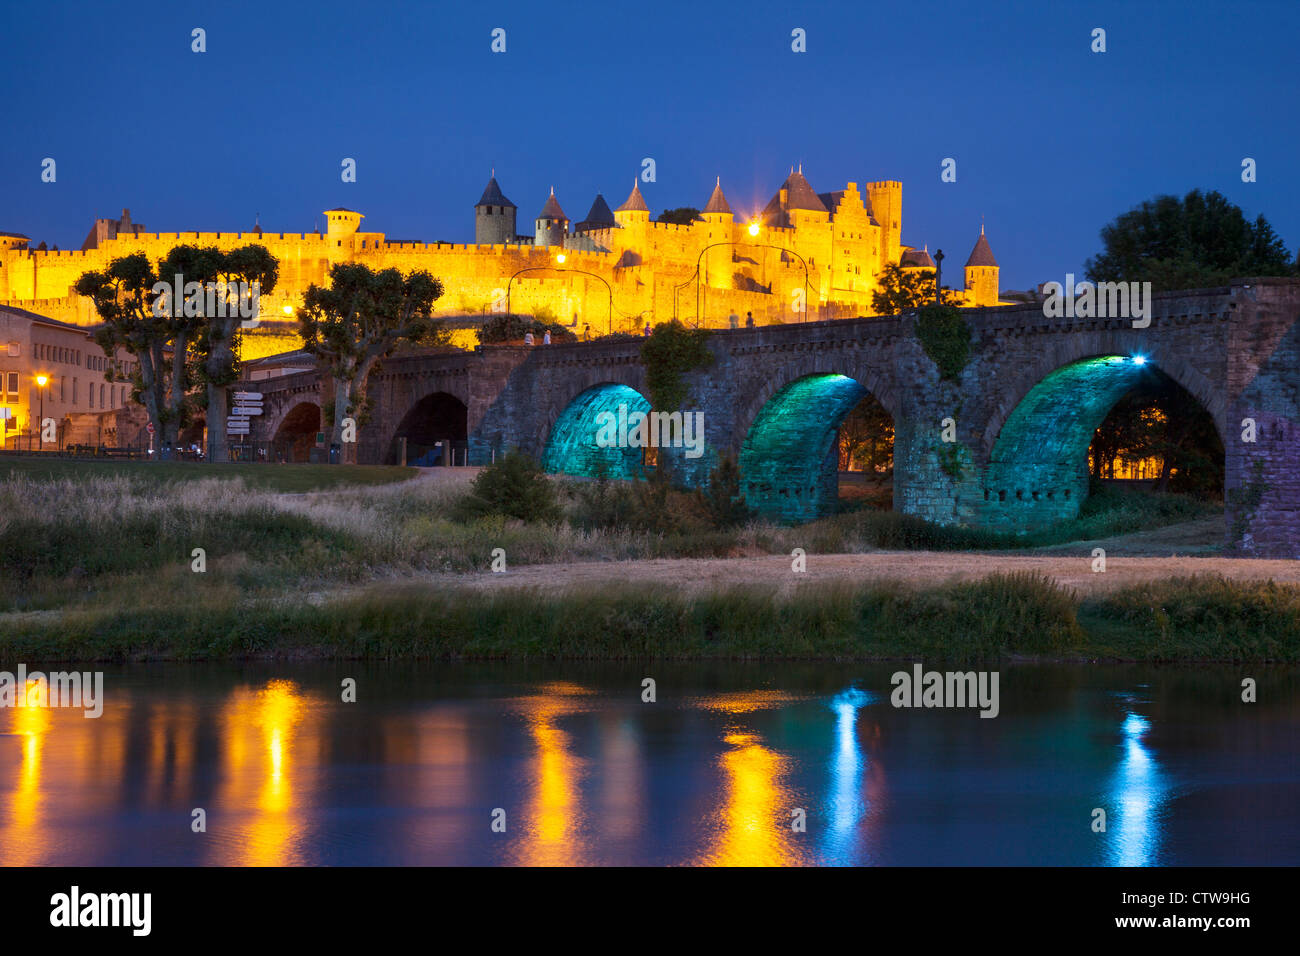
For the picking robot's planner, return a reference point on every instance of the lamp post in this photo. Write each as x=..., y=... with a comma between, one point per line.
x=753, y=230
x=938, y=276
x=41, y=382
x=560, y=258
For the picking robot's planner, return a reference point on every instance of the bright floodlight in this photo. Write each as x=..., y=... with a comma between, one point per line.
x=560, y=257
x=1139, y=360
x=753, y=228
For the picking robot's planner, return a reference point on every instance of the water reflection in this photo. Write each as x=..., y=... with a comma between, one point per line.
x=1136, y=793
x=261, y=774
x=22, y=842
x=847, y=804
x=590, y=774
x=752, y=824
x=553, y=817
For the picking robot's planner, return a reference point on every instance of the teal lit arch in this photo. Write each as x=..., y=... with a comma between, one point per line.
x=571, y=448
x=1038, y=468
x=789, y=462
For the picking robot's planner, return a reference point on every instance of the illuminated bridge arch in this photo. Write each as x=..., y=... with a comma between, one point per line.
x=789, y=461
x=1037, y=473
x=572, y=449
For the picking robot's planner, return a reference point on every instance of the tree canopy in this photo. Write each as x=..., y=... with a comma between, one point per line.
x=903, y=290
x=1200, y=240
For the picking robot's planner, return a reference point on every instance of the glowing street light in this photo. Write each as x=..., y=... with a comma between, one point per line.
x=41, y=382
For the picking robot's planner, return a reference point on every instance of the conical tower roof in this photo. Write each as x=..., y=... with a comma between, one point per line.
x=799, y=194
x=981, y=255
x=598, y=216
x=717, y=202
x=635, y=202
x=493, y=196
x=552, y=209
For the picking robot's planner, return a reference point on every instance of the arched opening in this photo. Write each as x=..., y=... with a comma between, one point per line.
x=597, y=434
x=1158, y=437
x=1039, y=469
x=790, y=461
x=435, y=429
x=296, y=436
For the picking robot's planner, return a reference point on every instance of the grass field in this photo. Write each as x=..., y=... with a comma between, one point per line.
x=262, y=477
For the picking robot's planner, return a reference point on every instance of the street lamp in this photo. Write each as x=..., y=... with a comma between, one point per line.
x=560, y=258
x=41, y=382
x=753, y=231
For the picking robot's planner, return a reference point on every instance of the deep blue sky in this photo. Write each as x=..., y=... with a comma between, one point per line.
x=1052, y=141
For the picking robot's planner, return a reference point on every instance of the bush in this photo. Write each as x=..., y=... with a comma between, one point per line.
x=723, y=500
x=514, y=487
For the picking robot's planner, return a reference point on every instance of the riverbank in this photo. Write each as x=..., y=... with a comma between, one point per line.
x=998, y=617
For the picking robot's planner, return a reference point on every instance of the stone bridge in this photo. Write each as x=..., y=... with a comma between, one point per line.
x=1013, y=456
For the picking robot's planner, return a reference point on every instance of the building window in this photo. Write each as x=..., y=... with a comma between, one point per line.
x=90, y=395
x=74, y=391
x=101, y=396
x=11, y=386
x=63, y=388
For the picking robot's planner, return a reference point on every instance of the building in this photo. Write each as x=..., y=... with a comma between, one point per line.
x=805, y=255
x=85, y=407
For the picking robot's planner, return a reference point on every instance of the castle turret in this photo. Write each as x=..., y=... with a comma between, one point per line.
x=634, y=210
x=981, y=274
x=341, y=227
x=719, y=225
x=494, y=216
x=552, y=225
x=598, y=217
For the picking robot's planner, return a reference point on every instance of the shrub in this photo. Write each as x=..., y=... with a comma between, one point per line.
x=945, y=336
x=514, y=486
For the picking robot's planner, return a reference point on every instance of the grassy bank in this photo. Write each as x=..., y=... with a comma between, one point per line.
x=1002, y=616
x=262, y=477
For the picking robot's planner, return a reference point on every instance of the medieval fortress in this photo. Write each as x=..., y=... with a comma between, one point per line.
x=805, y=256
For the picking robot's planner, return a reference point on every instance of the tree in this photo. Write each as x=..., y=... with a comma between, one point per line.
x=358, y=321
x=194, y=268
x=902, y=290
x=682, y=215
x=1198, y=241
x=124, y=297
x=867, y=440
x=251, y=272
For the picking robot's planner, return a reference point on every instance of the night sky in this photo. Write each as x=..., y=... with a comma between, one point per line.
x=1051, y=140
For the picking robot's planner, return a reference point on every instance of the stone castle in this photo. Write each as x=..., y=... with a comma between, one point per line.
x=804, y=256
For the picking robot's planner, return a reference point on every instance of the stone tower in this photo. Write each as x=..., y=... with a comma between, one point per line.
x=494, y=216
x=552, y=225
x=719, y=224
x=981, y=274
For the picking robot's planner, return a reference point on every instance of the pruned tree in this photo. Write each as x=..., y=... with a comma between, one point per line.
x=244, y=274
x=358, y=321
x=134, y=322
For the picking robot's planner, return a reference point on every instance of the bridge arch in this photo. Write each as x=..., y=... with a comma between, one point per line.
x=1037, y=472
x=1075, y=349
x=433, y=425
x=575, y=445
x=295, y=432
x=789, y=460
